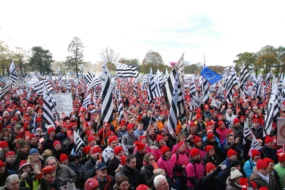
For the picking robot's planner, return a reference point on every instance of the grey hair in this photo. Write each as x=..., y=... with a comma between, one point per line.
x=157, y=180
x=11, y=178
x=50, y=158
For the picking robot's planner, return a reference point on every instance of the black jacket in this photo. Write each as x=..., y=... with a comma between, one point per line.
x=107, y=184
x=89, y=168
x=113, y=165
x=132, y=175
x=266, y=152
x=210, y=182
x=139, y=160
x=146, y=175
x=213, y=159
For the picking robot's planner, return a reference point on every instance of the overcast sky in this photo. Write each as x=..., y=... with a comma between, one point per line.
x=218, y=29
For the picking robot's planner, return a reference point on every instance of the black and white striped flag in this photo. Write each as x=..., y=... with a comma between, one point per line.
x=151, y=87
x=107, y=101
x=126, y=71
x=47, y=108
x=120, y=108
x=86, y=102
x=205, y=89
x=244, y=76
x=13, y=73
x=95, y=81
x=268, y=77
x=88, y=78
x=4, y=91
x=78, y=144
x=254, y=145
x=231, y=82
x=192, y=89
x=39, y=86
x=246, y=132
x=172, y=119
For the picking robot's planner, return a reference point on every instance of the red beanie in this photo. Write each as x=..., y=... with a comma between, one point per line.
x=261, y=164
x=96, y=149
x=56, y=143
x=197, y=139
x=91, y=138
x=198, y=116
x=254, y=153
x=86, y=149
x=268, y=160
x=180, y=144
x=231, y=152
x=281, y=157
x=209, y=167
x=118, y=149
x=236, y=120
x=164, y=149
x=123, y=123
x=111, y=139
x=194, y=152
x=50, y=129
x=210, y=136
x=142, y=187
x=268, y=139
x=63, y=157
x=208, y=148
x=10, y=153
x=141, y=138
x=220, y=123
x=158, y=138
x=140, y=146
x=3, y=144
x=130, y=126
x=2, y=164
x=263, y=188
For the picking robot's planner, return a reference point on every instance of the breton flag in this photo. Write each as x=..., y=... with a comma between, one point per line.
x=86, y=101
x=13, y=73
x=126, y=71
x=172, y=120
x=254, y=145
x=39, y=86
x=47, y=108
x=95, y=81
x=78, y=144
x=120, y=108
x=246, y=132
x=272, y=110
x=268, y=77
x=231, y=82
x=107, y=101
x=244, y=76
x=151, y=87
x=88, y=78
x=4, y=91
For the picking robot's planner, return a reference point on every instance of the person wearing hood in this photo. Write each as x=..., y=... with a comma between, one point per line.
x=251, y=163
x=195, y=169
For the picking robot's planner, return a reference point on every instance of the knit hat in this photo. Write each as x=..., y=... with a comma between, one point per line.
x=158, y=138
x=63, y=157
x=235, y=173
x=10, y=153
x=281, y=157
x=209, y=167
x=111, y=139
x=164, y=149
x=86, y=149
x=192, y=124
x=261, y=164
x=122, y=123
x=268, y=160
x=2, y=164
x=34, y=151
x=180, y=144
x=3, y=144
x=56, y=143
x=141, y=138
x=90, y=138
x=23, y=163
x=208, y=148
x=90, y=184
x=197, y=139
x=231, y=152
x=210, y=136
x=142, y=187
x=220, y=123
x=198, y=116
x=194, y=152
x=254, y=153
x=263, y=188
x=140, y=146
x=118, y=149
x=268, y=139
x=50, y=129
x=48, y=169
x=130, y=126
x=96, y=149
x=234, y=162
x=236, y=120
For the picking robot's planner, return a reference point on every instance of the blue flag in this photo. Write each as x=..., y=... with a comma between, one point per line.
x=211, y=76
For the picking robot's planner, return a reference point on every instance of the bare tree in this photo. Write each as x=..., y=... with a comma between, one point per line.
x=152, y=57
x=108, y=55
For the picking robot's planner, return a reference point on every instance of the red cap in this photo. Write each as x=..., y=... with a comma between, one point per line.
x=254, y=153
x=111, y=139
x=63, y=157
x=231, y=152
x=268, y=139
x=158, y=138
x=255, y=120
x=2, y=164
x=130, y=126
x=50, y=129
x=23, y=163
x=263, y=188
x=261, y=164
x=90, y=138
x=122, y=123
x=220, y=123
x=236, y=120
x=3, y=144
x=140, y=146
x=209, y=167
x=197, y=139
x=96, y=149
x=10, y=153
x=210, y=136
x=194, y=152
x=164, y=149
x=56, y=143
x=180, y=144
x=48, y=169
x=91, y=184
x=118, y=149
x=142, y=187
x=281, y=157
x=192, y=124
x=268, y=160
x=208, y=148
x=198, y=116
x=141, y=138
x=86, y=149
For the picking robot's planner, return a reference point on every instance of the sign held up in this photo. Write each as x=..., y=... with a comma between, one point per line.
x=63, y=102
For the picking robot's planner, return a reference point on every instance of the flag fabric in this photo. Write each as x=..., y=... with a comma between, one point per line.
x=107, y=101
x=246, y=132
x=47, y=108
x=4, y=91
x=126, y=71
x=172, y=119
x=88, y=78
x=120, y=108
x=180, y=70
x=39, y=86
x=95, y=81
x=192, y=89
x=206, y=89
x=254, y=145
x=13, y=73
x=78, y=144
x=86, y=102
x=231, y=82
x=211, y=76
x=268, y=77
x=151, y=88
x=244, y=76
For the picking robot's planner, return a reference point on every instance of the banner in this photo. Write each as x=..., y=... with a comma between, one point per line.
x=216, y=103
x=63, y=102
x=19, y=92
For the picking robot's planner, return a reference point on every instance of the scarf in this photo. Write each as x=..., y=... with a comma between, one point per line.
x=265, y=178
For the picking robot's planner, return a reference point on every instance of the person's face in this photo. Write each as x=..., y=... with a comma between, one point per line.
x=24, y=149
x=237, y=180
x=132, y=164
x=233, y=157
x=50, y=177
x=102, y=173
x=264, y=171
x=34, y=141
x=57, y=147
x=199, y=144
x=149, y=114
x=11, y=159
x=26, y=169
x=143, y=141
x=52, y=162
x=2, y=170
x=256, y=158
x=113, y=144
x=163, y=185
x=197, y=157
x=193, y=129
x=237, y=167
x=161, y=142
x=131, y=131
x=270, y=167
x=231, y=140
x=124, y=185
x=14, y=185
x=270, y=144
x=168, y=154
x=212, y=152
x=182, y=148
x=140, y=126
x=151, y=160
x=182, y=138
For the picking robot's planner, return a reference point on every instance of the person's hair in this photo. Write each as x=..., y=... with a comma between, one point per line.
x=230, y=136
x=179, y=136
x=157, y=180
x=11, y=178
x=147, y=157
x=50, y=158
x=120, y=179
x=130, y=157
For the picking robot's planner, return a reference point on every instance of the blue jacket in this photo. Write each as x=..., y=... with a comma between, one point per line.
x=248, y=167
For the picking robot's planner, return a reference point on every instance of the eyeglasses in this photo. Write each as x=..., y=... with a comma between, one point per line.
x=151, y=159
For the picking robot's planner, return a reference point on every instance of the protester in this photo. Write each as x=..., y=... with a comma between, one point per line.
x=105, y=181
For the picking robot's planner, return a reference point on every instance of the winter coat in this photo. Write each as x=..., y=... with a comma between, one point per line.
x=89, y=168
x=128, y=140
x=213, y=159
x=194, y=172
x=175, y=149
x=113, y=165
x=210, y=182
x=45, y=186
x=132, y=175
x=155, y=150
x=272, y=185
x=107, y=184
x=167, y=165
x=248, y=167
x=4, y=176
x=64, y=172
x=258, y=132
x=146, y=175
x=222, y=134
x=139, y=160
x=178, y=159
x=232, y=186
x=266, y=152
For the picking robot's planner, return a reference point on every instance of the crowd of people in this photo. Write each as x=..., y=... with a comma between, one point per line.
x=208, y=150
